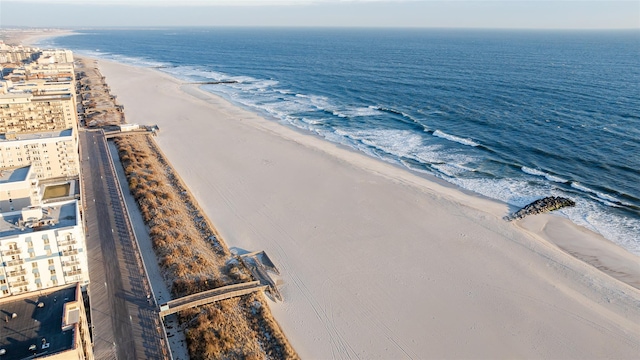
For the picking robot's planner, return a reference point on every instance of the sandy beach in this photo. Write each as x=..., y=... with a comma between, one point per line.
x=31, y=37
x=377, y=262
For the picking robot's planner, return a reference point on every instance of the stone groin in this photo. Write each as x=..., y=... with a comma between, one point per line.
x=546, y=204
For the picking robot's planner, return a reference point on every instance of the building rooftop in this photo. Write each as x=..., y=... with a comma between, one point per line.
x=26, y=96
x=37, y=98
x=37, y=327
x=54, y=216
x=16, y=95
x=15, y=174
x=36, y=135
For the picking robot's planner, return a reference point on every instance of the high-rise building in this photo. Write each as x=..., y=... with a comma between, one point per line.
x=17, y=54
x=26, y=112
x=52, y=154
x=41, y=247
x=42, y=71
x=50, y=56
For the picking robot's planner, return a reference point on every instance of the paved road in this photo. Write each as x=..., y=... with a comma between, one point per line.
x=125, y=322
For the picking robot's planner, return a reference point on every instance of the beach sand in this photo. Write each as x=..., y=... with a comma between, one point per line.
x=30, y=37
x=377, y=262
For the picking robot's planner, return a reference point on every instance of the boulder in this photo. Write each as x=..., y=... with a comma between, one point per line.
x=540, y=206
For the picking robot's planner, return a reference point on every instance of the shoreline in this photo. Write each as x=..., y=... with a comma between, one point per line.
x=231, y=204
x=583, y=244
x=33, y=37
x=471, y=254
x=30, y=37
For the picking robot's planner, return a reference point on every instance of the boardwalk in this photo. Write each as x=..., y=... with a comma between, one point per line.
x=125, y=322
x=207, y=297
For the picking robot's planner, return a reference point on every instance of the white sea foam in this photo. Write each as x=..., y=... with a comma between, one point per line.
x=320, y=102
x=364, y=111
x=457, y=139
x=190, y=73
x=313, y=121
x=265, y=96
x=547, y=176
x=284, y=91
x=397, y=112
x=389, y=144
x=134, y=61
x=588, y=213
x=251, y=84
x=357, y=112
x=451, y=170
x=556, y=179
x=517, y=192
x=405, y=144
x=596, y=195
x=93, y=53
x=533, y=171
x=608, y=198
x=617, y=228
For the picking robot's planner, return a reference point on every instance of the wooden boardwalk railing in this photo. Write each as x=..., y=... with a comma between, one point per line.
x=209, y=296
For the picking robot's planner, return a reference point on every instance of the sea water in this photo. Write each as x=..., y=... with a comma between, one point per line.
x=512, y=115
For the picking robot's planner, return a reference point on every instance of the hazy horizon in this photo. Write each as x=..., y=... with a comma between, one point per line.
x=570, y=15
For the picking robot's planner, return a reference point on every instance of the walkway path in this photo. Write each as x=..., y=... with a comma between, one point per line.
x=125, y=322
x=207, y=297
x=177, y=341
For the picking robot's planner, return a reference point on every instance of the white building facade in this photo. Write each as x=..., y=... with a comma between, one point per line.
x=42, y=247
x=52, y=154
x=50, y=56
x=19, y=188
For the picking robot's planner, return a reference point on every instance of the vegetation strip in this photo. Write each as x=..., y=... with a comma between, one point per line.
x=194, y=258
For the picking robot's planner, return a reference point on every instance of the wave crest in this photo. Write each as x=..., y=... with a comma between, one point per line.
x=463, y=141
x=547, y=176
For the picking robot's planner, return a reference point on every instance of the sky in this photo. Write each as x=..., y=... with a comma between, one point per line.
x=516, y=14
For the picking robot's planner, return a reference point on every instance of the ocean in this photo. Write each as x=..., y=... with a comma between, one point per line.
x=512, y=115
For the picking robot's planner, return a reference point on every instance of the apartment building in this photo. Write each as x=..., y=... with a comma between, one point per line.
x=42, y=71
x=28, y=112
x=52, y=154
x=19, y=188
x=49, y=324
x=42, y=247
x=17, y=54
x=39, y=86
x=50, y=56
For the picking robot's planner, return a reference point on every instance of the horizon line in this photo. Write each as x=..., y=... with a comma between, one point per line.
x=123, y=27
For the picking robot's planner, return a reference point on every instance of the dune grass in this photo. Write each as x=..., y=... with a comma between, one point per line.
x=194, y=258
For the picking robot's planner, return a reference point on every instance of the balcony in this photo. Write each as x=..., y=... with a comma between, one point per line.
x=19, y=283
x=11, y=252
x=71, y=263
x=17, y=273
x=67, y=242
x=69, y=252
x=76, y=278
x=15, y=262
x=74, y=272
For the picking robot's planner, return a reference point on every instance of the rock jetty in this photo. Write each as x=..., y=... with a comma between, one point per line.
x=540, y=206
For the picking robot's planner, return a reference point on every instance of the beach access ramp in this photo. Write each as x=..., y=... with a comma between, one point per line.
x=209, y=296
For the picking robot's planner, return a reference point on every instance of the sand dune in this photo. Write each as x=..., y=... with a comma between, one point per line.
x=377, y=262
